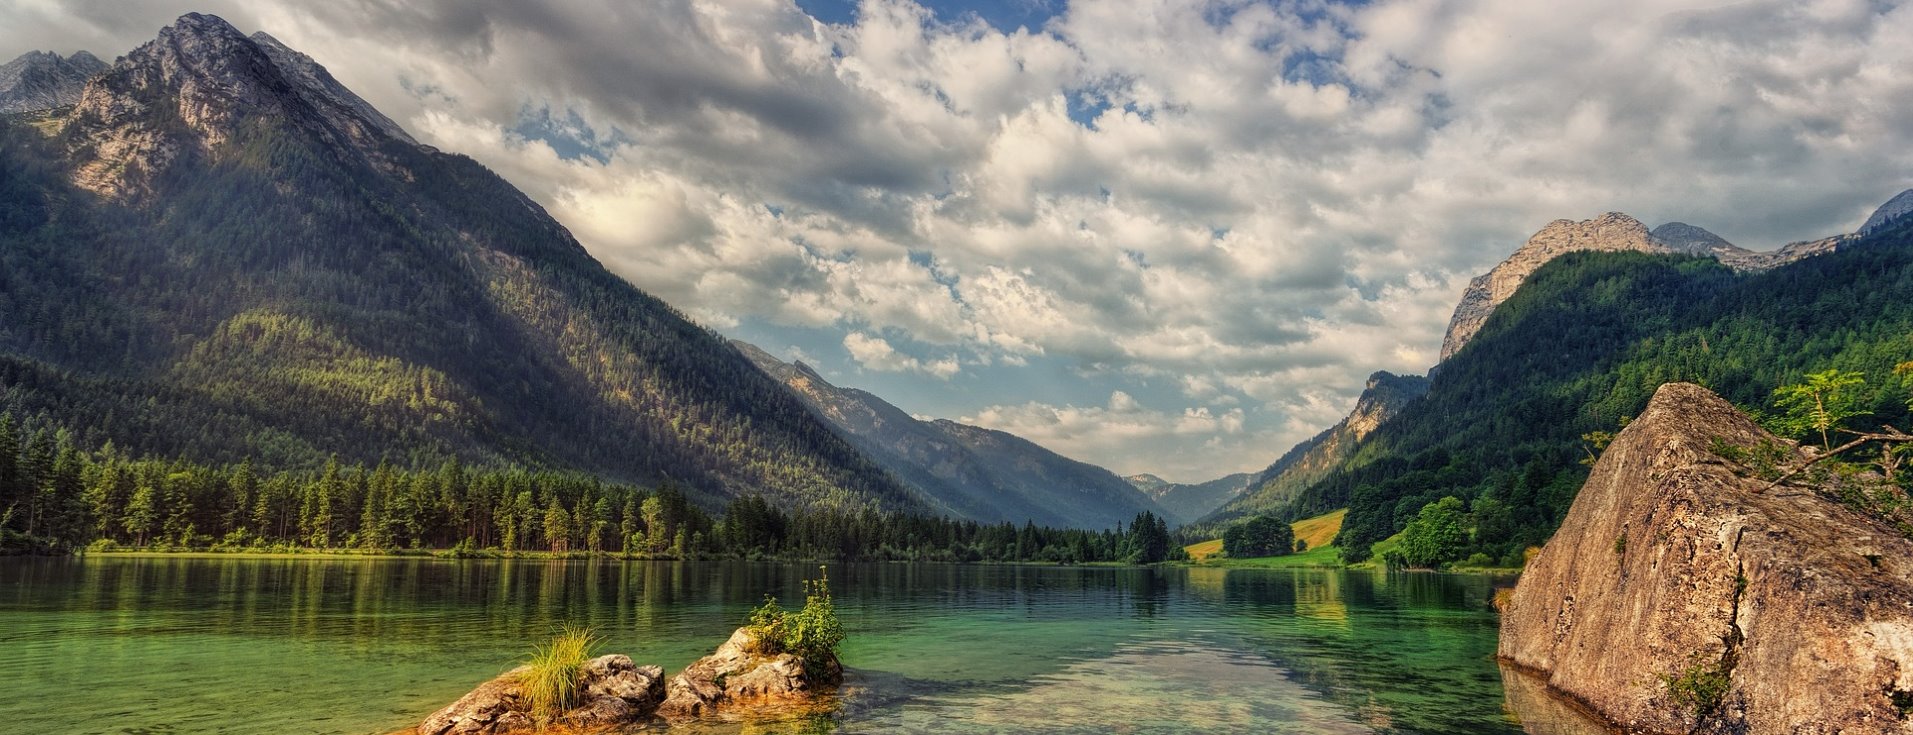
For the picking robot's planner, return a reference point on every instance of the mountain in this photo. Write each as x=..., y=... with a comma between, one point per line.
x=1271, y=490
x=43, y=80
x=1187, y=503
x=221, y=253
x=975, y=473
x=1889, y=212
x=1611, y=232
x=1582, y=345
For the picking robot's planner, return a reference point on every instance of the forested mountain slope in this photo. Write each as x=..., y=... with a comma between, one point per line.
x=974, y=473
x=219, y=253
x=1583, y=344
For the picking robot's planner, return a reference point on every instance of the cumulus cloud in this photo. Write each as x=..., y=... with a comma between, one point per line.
x=1244, y=206
x=874, y=353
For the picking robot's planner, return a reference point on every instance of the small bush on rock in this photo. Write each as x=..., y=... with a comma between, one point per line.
x=812, y=633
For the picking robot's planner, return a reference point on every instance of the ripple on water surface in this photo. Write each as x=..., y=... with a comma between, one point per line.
x=118, y=645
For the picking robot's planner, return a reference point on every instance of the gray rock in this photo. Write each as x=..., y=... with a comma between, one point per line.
x=496, y=706
x=613, y=691
x=1671, y=558
x=738, y=673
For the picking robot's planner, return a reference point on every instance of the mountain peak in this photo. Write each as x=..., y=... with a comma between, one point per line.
x=222, y=85
x=1609, y=232
x=42, y=80
x=1892, y=210
x=1689, y=239
x=324, y=91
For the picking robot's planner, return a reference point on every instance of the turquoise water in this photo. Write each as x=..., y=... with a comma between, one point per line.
x=138, y=645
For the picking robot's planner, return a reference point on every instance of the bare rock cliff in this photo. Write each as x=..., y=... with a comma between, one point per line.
x=1609, y=232
x=1672, y=562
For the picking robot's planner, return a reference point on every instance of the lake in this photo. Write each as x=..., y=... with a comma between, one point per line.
x=143, y=645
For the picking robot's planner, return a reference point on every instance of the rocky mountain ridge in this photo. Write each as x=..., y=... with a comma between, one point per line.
x=1615, y=231
x=189, y=90
x=42, y=80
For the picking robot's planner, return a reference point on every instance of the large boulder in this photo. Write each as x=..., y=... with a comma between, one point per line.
x=1677, y=573
x=613, y=691
x=741, y=672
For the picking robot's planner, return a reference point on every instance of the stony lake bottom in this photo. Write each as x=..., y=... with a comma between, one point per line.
x=140, y=645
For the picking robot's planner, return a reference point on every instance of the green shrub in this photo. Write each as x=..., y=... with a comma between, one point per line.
x=812, y=633
x=1699, y=688
x=551, y=686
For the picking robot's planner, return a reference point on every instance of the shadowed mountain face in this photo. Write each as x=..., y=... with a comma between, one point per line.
x=974, y=473
x=220, y=252
x=42, y=80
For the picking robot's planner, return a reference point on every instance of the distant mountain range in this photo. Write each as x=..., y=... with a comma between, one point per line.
x=1187, y=503
x=971, y=472
x=214, y=250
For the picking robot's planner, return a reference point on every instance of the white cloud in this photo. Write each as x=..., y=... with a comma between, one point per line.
x=874, y=353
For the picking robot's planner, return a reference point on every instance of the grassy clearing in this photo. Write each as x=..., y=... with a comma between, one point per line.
x=551, y=686
x=1204, y=550
x=1325, y=556
x=1318, y=532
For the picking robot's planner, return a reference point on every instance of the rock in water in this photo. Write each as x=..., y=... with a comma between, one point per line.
x=1671, y=561
x=614, y=691
x=739, y=673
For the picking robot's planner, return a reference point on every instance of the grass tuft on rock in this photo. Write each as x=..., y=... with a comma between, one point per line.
x=551, y=686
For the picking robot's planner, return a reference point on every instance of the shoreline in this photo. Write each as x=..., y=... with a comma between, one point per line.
x=448, y=555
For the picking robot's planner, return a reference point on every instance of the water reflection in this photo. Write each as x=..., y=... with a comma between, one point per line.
x=301, y=645
x=1542, y=712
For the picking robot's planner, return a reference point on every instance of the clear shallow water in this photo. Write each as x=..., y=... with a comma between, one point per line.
x=138, y=645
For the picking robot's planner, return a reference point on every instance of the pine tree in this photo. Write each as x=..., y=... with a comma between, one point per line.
x=11, y=493
x=142, y=511
x=557, y=526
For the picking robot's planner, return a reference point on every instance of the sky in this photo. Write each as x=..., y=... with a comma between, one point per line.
x=1166, y=236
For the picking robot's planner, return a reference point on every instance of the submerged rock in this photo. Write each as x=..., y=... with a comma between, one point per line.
x=741, y=673
x=614, y=691
x=1682, y=596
